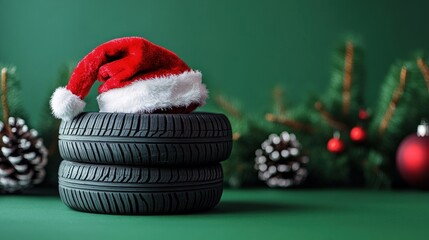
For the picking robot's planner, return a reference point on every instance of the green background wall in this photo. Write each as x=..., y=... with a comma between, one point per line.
x=244, y=48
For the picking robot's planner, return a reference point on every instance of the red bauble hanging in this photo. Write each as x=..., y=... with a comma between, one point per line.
x=358, y=134
x=335, y=144
x=412, y=157
x=363, y=114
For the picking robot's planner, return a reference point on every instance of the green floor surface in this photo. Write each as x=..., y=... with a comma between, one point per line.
x=242, y=214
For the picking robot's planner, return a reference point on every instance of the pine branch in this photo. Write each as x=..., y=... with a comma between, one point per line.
x=247, y=135
x=48, y=128
x=327, y=117
x=4, y=101
x=384, y=124
x=347, y=82
x=424, y=69
x=53, y=147
x=343, y=97
x=227, y=107
x=289, y=123
x=400, y=107
x=375, y=170
x=278, y=100
x=230, y=109
x=14, y=98
x=236, y=136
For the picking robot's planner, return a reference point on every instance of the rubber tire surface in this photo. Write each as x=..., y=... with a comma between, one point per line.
x=146, y=139
x=137, y=190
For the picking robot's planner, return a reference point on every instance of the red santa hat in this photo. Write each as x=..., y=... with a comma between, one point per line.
x=136, y=75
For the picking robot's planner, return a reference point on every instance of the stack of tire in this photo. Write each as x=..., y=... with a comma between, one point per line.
x=119, y=163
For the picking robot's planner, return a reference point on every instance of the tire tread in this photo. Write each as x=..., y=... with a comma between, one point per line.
x=153, y=126
x=115, y=201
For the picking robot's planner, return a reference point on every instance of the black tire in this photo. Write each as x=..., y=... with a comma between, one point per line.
x=146, y=139
x=138, y=190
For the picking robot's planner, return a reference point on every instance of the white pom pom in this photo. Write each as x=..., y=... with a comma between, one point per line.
x=65, y=105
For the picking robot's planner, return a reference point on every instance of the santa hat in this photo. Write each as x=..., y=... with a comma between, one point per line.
x=136, y=75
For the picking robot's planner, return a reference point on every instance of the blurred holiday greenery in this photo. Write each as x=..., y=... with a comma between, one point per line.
x=340, y=108
x=246, y=49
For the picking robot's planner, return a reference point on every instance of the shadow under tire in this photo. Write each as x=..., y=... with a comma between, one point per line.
x=113, y=189
x=146, y=139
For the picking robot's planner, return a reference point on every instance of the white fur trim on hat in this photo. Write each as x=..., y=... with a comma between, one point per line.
x=154, y=94
x=65, y=105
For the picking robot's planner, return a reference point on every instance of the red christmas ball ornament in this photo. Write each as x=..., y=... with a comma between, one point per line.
x=412, y=157
x=363, y=114
x=335, y=144
x=358, y=134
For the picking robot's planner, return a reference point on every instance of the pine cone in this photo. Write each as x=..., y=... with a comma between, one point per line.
x=280, y=161
x=22, y=157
